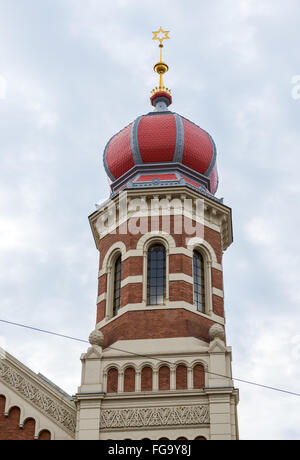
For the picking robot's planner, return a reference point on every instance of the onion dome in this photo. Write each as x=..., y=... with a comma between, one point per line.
x=161, y=148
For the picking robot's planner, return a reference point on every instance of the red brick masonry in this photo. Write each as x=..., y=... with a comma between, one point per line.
x=10, y=429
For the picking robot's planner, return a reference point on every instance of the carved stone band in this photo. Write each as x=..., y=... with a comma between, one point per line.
x=154, y=416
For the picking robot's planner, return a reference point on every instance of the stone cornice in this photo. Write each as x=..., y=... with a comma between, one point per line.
x=217, y=216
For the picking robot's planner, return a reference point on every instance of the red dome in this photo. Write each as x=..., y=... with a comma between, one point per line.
x=162, y=138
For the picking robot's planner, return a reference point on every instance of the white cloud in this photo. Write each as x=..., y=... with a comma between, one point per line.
x=17, y=234
x=70, y=91
x=260, y=231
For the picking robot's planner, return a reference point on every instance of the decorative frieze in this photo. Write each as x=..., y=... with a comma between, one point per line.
x=154, y=417
x=45, y=402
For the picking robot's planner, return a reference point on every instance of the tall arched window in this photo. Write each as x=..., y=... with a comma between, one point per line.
x=199, y=285
x=156, y=284
x=117, y=285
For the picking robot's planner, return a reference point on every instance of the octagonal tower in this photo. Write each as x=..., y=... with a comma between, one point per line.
x=159, y=366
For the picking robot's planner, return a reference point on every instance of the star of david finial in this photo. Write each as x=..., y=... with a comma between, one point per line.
x=161, y=96
x=159, y=37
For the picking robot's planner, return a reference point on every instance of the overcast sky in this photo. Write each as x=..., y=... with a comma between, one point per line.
x=72, y=74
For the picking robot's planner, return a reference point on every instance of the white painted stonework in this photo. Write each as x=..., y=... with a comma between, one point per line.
x=209, y=412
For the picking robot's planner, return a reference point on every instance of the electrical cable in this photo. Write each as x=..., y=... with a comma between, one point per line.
x=149, y=356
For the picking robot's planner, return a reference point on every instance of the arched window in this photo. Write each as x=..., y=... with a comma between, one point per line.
x=117, y=285
x=156, y=283
x=199, y=285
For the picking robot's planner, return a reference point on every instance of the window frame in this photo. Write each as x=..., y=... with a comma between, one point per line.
x=156, y=244
x=116, y=308
x=114, y=257
x=207, y=269
x=201, y=307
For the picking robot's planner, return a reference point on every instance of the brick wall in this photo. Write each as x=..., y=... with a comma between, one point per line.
x=181, y=291
x=164, y=378
x=158, y=324
x=112, y=381
x=10, y=429
x=181, y=377
x=130, y=241
x=146, y=379
x=129, y=379
x=199, y=376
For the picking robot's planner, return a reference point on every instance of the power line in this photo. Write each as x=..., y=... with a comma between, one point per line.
x=148, y=356
x=43, y=330
x=212, y=373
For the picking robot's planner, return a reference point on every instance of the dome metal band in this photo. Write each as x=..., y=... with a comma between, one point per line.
x=178, y=154
x=213, y=158
x=108, y=171
x=135, y=149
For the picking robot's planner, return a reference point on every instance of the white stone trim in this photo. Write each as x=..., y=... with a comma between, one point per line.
x=155, y=434
x=154, y=416
x=181, y=277
x=217, y=266
x=125, y=282
x=207, y=255
x=152, y=214
x=172, y=251
x=101, y=297
x=132, y=280
x=199, y=243
x=144, y=244
x=119, y=246
x=101, y=273
x=216, y=215
x=112, y=256
x=181, y=251
x=218, y=292
x=163, y=236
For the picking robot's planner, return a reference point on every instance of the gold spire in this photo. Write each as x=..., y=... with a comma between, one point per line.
x=161, y=67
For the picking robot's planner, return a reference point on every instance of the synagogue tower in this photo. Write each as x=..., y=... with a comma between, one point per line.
x=159, y=366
